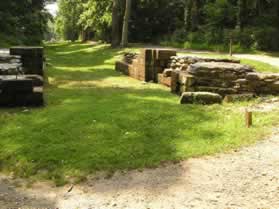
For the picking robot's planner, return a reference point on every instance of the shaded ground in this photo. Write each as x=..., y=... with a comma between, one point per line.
x=248, y=178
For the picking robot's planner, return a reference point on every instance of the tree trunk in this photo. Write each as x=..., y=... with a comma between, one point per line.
x=125, y=30
x=188, y=14
x=195, y=16
x=115, y=24
x=242, y=14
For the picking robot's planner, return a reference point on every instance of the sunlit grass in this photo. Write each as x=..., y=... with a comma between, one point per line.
x=99, y=120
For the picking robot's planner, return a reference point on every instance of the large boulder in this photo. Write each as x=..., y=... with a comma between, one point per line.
x=205, y=98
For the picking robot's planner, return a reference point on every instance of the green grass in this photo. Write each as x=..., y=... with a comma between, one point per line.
x=99, y=120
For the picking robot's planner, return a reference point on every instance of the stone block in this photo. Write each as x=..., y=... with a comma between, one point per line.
x=165, y=54
x=174, y=82
x=122, y=67
x=164, y=80
x=32, y=59
x=239, y=97
x=218, y=90
x=167, y=72
x=205, y=98
x=16, y=85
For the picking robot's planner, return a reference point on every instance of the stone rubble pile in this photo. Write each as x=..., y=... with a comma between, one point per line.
x=217, y=77
x=182, y=62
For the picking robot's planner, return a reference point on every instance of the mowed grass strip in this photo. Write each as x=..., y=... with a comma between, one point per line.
x=99, y=120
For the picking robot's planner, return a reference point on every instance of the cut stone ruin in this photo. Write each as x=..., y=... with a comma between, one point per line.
x=21, y=77
x=225, y=77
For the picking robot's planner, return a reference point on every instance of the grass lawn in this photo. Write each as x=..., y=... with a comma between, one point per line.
x=99, y=120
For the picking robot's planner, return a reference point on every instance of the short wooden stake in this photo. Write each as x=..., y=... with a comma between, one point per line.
x=248, y=118
x=231, y=47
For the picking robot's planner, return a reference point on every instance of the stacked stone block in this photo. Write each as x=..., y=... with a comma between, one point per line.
x=225, y=79
x=146, y=66
x=32, y=59
x=21, y=81
x=193, y=74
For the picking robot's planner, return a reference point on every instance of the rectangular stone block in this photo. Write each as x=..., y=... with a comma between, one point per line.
x=239, y=97
x=6, y=99
x=14, y=85
x=122, y=67
x=147, y=56
x=174, y=82
x=165, y=54
x=164, y=80
x=32, y=58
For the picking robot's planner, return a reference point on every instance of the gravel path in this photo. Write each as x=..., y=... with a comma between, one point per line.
x=248, y=178
x=263, y=58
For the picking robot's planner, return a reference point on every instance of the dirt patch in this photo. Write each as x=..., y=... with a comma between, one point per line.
x=247, y=178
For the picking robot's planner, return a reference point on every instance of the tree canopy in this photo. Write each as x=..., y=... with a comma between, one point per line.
x=251, y=23
x=23, y=21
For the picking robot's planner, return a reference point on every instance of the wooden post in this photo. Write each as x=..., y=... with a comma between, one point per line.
x=248, y=118
x=231, y=47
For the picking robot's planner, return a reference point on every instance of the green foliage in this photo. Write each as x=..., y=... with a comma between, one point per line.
x=76, y=17
x=23, y=21
x=96, y=16
x=97, y=119
x=253, y=24
x=267, y=38
x=67, y=19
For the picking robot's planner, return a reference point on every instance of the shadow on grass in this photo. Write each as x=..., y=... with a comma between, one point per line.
x=86, y=55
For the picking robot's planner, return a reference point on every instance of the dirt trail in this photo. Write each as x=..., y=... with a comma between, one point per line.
x=248, y=178
x=263, y=58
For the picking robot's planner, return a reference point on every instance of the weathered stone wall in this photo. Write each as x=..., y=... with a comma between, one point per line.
x=218, y=77
x=264, y=83
x=183, y=62
x=194, y=74
x=224, y=79
x=145, y=66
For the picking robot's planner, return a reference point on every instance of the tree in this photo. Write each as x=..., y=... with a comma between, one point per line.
x=125, y=31
x=23, y=21
x=67, y=19
x=115, y=24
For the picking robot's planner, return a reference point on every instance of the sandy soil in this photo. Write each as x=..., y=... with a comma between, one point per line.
x=248, y=178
